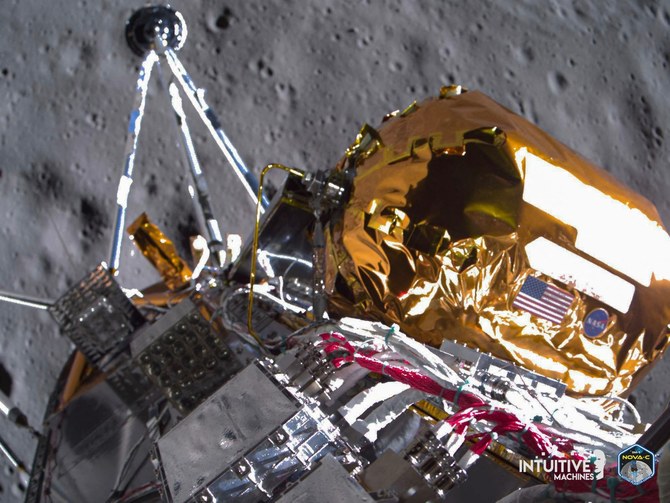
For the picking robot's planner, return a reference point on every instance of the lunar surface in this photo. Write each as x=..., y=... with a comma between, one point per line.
x=292, y=82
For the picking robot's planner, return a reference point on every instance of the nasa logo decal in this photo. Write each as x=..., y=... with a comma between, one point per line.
x=595, y=322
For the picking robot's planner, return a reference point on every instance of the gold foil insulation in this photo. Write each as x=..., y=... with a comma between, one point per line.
x=160, y=251
x=436, y=236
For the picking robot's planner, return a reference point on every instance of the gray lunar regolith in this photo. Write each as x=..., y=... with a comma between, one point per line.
x=292, y=82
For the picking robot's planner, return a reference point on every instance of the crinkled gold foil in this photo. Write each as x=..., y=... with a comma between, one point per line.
x=433, y=238
x=160, y=251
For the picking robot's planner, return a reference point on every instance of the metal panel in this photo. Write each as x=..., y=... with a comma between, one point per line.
x=92, y=441
x=96, y=315
x=229, y=423
x=329, y=483
x=184, y=357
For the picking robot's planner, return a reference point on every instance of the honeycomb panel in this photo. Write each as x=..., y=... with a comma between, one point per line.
x=187, y=360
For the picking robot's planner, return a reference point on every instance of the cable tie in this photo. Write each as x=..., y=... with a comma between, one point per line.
x=612, y=483
x=523, y=432
x=389, y=333
x=594, y=486
x=459, y=391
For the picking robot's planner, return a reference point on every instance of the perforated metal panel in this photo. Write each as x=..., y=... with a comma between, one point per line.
x=184, y=356
x=96, y=315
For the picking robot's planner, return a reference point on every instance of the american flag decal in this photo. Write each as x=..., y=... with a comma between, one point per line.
x=543, y=300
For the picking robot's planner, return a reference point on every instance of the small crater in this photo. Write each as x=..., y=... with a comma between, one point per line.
x=96, y=121
x=557, y=82
x=86, y=57
x=264, y=70
x=93, y=220
x=46, y=267
x=230, y=79
x=186, y=228
x=272, y=136
x=223, y=21
x=658, y=136
x=581, y=13
x=45, y=181
x=364, y=41
x=395, y=66
x=525, y=54
x=285, y=92
x=6, y=381
x=152, y=185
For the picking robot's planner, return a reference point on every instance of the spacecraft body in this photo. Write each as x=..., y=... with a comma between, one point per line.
x=432, y=315
x=460, y=297
x=467, y=223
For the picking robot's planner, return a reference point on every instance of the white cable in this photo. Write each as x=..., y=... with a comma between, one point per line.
x=386, y=413
x=468, y=459
x=442, y=429
x=578, y=421
x=416, y=353
x=622, y=401
x=453, y=443
x=349, y=376
x=358, y=405
x=200, y=244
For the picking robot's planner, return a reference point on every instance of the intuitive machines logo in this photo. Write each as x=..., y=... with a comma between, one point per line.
x=636, y=464
x=568, y=469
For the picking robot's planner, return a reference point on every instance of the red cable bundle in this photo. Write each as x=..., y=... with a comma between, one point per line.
x=539, y=442
x=541, y=439
x=411, y=377
x=505, y=422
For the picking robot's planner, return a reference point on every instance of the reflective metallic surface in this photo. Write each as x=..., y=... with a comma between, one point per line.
x=126, y=180
x=160, y=251
x=197, y=98
x=152, y=28
x=469, y=228
x=192, y=451
x=449, y=199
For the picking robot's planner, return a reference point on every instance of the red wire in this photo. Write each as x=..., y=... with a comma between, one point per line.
x=411, y=377
x=541, y=439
